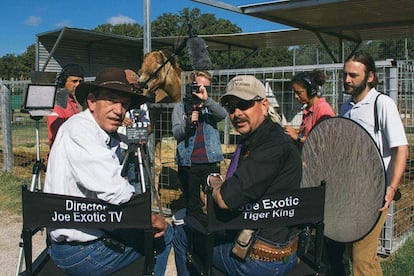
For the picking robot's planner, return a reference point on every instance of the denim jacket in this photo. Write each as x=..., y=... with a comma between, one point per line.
x=211, y=114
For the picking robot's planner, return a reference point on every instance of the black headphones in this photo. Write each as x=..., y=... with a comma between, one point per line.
x=311, y=90
x=71, y=69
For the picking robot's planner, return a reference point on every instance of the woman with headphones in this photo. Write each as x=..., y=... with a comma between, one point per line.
x=306, y=87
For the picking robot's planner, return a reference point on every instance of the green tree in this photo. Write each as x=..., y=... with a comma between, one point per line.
x=167, y=24
x=26, y=62
x=18, y=67
x=131, y=30
x=8, y=64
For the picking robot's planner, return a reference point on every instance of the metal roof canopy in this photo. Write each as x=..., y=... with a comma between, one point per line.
x=55, y=44
x=351, y=20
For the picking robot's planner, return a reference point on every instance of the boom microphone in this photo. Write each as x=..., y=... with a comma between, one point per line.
x=197, y=49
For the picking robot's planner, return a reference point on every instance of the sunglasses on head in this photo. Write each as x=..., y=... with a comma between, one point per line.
x=241, y=104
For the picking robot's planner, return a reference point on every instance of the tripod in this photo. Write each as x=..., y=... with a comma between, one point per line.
x=36, y=184
x=137, y=152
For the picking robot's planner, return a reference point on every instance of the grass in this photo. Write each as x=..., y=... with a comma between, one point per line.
x=400, y=263
x=10, y=193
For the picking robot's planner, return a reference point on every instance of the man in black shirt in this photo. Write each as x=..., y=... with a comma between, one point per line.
x=268, y=162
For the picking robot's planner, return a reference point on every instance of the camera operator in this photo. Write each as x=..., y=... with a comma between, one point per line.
x=194, y=126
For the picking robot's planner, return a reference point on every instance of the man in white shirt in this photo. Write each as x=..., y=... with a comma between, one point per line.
x=379, y=116
x=84, y=162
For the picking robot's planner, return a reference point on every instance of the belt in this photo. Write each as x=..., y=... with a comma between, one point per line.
x=108, y=242
x=75, y=243
x=263, y=251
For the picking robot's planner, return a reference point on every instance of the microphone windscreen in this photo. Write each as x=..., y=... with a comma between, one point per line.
x=62, y=97
x=197, y=49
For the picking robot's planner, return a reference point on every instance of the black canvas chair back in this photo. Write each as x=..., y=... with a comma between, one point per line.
x=59, y=211
x=301, y=207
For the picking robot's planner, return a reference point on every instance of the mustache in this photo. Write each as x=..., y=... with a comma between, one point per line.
x=117, y=119
x=237, y=120
x=346, y=86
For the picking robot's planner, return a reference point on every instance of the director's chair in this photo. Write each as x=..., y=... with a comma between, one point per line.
x=41, y=210
x=308, y=216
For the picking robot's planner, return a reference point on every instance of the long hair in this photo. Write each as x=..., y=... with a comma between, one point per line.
x=274, y=116
x=368, y=61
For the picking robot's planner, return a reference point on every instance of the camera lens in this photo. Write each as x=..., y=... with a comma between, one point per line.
x=195, y=88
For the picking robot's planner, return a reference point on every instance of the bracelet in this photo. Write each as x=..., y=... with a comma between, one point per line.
x=214, y=175
x=395, y=190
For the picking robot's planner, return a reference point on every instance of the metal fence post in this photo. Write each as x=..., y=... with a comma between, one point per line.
x=6, y=128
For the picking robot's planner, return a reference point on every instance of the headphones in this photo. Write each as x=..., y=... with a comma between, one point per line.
x=311, y=90
x=71, y=69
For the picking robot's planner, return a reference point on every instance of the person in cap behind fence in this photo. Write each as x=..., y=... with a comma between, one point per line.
x=68, y=79
x=306, y=87
x=84, y=161
x=266, y=161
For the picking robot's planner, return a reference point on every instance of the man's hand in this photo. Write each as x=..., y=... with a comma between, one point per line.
x=159, y=225
x=216, y=181
x=389, y=196
x=127, y=121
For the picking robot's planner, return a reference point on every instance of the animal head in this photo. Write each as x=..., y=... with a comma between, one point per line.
x=166, y=84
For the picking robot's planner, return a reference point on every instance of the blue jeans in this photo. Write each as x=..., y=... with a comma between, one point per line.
x=224, y=261
x=98, y=259
x=233, y=266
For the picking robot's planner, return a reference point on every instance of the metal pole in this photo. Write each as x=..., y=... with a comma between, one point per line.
x=6, y=128
x=147, y=26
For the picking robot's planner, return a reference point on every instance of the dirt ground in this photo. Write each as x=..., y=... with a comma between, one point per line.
x=9, y=243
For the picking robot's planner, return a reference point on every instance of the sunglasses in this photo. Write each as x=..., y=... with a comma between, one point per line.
x=242, y=105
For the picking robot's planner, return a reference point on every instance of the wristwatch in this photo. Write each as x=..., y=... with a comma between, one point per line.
x=214, y=180
x=299, y=139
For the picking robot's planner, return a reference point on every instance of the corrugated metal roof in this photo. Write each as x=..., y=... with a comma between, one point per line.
x=354, y=20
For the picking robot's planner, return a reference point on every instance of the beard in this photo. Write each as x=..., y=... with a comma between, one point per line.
x=356, y=90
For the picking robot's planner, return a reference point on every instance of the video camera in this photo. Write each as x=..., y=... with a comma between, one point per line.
x=137, y=132
x=191, y=88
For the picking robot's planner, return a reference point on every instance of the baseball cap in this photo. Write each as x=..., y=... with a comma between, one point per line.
x=245, y=87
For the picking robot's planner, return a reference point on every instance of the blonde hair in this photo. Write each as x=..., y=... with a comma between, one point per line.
x=274, y=116
x=205, y=74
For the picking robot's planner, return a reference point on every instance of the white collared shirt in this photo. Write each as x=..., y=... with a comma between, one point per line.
x=391, y=130
x=82, y=164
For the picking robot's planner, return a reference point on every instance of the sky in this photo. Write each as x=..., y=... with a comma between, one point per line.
x=22, y=20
